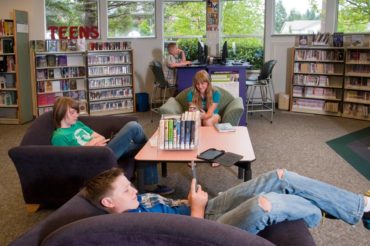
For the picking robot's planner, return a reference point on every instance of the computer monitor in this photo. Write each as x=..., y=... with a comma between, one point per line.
x=224, y=55
x=202, y=53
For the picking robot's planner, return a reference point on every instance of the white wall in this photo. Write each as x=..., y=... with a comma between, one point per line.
x=145, y=50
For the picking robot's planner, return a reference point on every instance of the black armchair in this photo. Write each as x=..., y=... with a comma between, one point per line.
x=51, y=175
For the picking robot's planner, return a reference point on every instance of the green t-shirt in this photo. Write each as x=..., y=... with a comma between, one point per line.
x=76, y=135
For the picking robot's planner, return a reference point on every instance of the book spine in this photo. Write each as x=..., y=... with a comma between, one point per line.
x=187, y=134
x=161, y=134
x=170, y=134
x=165, y=134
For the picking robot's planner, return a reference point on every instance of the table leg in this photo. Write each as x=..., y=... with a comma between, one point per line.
x=164, y=169
x=244, y=170
x=140, y=177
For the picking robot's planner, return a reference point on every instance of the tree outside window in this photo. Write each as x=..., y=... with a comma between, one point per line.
x=71, y=13
x=184, y=27
x=353, y=16
x=131, y=19
x=298, y=17
x=242, y=26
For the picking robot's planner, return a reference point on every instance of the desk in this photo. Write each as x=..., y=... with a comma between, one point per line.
x=237, y=142
x=185, y=76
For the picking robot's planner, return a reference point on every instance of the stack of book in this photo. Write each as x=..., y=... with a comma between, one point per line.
x=179, y=132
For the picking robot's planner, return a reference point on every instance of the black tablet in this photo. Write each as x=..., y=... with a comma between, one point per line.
x=210, y=154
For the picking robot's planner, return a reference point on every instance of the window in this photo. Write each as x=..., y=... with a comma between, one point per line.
x=79, y=13
x=184, y=27
x=131, y=19
x=297, y=17
x=353, y=16
x=242, y=26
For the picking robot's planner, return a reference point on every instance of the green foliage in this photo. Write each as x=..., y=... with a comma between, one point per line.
x=353, y=16
x=280, y=16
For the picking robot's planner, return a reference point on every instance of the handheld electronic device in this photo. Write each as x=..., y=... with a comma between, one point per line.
x=194, y=173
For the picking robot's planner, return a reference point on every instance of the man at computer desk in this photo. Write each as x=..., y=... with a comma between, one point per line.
x=176, y=58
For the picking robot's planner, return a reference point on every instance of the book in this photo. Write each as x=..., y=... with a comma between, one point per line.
x=338, y=39
x=357, y=40
x=224, y=127
x=303, y=40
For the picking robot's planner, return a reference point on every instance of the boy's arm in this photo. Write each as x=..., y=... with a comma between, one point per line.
x=197, y=200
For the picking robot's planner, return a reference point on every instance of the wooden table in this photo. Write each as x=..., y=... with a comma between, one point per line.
x=237, y=142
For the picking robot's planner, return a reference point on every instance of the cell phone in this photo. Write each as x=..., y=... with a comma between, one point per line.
x=194, y=173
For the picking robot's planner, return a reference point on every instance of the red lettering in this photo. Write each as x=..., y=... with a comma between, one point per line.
x=73, y=32
x=94, y=32
x=62, y=32
x=52, y=31
x=83, y=32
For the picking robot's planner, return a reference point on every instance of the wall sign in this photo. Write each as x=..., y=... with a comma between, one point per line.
x=74, y=32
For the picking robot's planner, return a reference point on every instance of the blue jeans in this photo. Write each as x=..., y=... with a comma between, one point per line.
x=292, y=197
x=127, y=142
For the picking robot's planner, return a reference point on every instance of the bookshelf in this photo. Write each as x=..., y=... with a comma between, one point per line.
x=110, y=78
x=15, y=85
x=59, y=73
x=356, y=99
x=317, y=80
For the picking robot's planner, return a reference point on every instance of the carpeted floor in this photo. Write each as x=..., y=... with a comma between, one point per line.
x=294, y=141
x=355, y=149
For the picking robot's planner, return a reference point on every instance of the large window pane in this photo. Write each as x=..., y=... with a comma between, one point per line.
x=242, y=26
x=297, y=17
x=353, y=16
x=184, y=22
x=131, y=19
x=70, y=13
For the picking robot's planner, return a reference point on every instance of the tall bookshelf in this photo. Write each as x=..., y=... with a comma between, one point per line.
x=110, y=78
x=317, y=80
x=356, y=100
x=15, y=85
x=59, y=73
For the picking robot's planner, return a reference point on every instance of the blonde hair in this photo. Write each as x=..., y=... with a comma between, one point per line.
x=202, y=76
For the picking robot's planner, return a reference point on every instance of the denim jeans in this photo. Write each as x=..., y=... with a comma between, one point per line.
x=292, y=197
x=127, y=142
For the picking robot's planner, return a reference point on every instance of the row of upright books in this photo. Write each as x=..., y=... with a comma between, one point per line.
x=62, y=45
x=179, y=132
x=319, y=55
x=6, y=27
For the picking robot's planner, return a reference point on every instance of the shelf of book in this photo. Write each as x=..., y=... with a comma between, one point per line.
x=15, y=85
x=110, y=78
x=317, y=80
x=356, y=99
x=59, y=73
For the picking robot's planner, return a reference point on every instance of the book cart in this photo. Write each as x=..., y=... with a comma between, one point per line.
x=110, y=78
x=15, y=85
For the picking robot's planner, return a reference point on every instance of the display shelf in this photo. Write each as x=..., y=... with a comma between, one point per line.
x=110, y=78
x=357, y=83
x=317, y=80
x=60, y=74
x=15, y=84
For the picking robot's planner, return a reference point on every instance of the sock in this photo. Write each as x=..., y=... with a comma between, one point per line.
x=367, y=207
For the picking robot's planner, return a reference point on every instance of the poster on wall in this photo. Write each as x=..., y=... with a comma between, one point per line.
x=212, y=15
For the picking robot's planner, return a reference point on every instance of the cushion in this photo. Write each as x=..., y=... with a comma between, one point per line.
x=171, y=107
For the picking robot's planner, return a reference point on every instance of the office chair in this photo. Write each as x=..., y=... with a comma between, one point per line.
x=161, y=85
x=265, y=101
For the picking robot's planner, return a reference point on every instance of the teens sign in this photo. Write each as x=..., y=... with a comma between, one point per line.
x=75, y=32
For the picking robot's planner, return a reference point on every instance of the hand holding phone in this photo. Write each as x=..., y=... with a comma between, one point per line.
x=194, y=173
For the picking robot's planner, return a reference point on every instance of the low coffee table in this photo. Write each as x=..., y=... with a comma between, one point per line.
x=237, y=142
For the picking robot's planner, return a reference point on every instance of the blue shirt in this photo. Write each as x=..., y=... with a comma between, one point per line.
x=153, y=203
x=216, y=95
